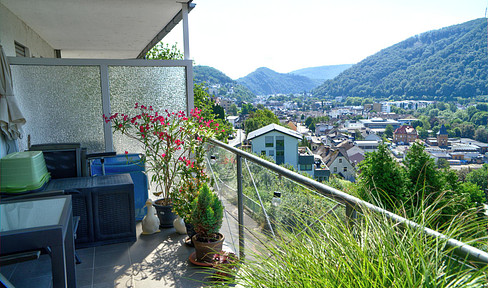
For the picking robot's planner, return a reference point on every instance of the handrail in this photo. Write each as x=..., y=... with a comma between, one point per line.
x=460, y=249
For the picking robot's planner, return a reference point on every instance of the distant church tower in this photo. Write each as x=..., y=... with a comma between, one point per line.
x=442, y=137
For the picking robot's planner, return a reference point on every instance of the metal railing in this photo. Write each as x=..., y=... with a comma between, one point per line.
x=353, y=205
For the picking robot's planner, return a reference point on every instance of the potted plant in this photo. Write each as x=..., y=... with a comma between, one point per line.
x=193, y=177
x=206, y=217
x=168, y=139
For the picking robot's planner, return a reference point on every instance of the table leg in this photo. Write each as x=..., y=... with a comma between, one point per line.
x=58, y=265
x=69, y=246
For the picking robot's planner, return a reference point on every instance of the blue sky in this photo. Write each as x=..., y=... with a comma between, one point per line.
x=239, y=36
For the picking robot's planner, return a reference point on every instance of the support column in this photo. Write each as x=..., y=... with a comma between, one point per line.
x=186, y=37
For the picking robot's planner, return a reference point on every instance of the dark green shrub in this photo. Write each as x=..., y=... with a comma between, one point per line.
x=207, y=213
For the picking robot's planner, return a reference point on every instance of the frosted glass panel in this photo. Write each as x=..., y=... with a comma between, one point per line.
x=61, y=104
x=160, y=87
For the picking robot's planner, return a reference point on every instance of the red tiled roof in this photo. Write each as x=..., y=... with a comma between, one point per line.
x=406, y=129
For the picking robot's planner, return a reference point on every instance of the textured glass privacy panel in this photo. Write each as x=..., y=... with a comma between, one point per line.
x=60, y=104
x=160, y=87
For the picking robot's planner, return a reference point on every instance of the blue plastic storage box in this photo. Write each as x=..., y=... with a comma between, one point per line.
x=127, y=163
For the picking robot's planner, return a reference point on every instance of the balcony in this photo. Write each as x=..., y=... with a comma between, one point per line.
x=243, y=182
x=63, y=101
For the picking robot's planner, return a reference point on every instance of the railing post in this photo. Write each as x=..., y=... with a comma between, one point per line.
x=240, y=207
x=351, y=215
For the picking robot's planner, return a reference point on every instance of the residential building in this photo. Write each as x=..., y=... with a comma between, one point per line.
x=277, y=142
x=312, y=164
x=339, y=164
x=405, y=134
x=368, y=146
x=315, y=143
x=225, y=103
x=355, y=155
x=377, y=107
x=353, y=125
x=322, y=129
x=373, y=137
x=234, y=120
x=292, y=125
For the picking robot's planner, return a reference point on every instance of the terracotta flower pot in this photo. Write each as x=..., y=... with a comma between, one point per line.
x=206, y=250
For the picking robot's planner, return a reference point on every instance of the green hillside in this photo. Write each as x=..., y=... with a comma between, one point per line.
x=221, y=85
x=265, y=81
x=442, y=64
x=322, y=72
x=210, y=75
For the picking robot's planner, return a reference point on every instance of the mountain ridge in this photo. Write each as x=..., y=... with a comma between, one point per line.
x=440, y=64
x=265, y=81
x=323, y=73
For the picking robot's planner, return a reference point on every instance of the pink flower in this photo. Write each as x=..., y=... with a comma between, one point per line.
x=163, y=155
x=126, y=152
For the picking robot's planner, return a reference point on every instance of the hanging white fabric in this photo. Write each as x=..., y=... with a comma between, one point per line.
x=11, y=118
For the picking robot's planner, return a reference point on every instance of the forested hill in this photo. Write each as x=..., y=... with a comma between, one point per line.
x=322, y=72
x=265, y=81
x=210, y=75
x=445, y=63
x=227, y=87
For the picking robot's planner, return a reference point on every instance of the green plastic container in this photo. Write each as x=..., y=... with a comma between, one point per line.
x=23, y=171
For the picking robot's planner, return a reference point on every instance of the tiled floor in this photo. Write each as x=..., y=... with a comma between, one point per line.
x=158, y=260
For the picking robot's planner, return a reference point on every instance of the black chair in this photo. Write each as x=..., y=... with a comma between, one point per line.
x=63, y=160
x=67, y=160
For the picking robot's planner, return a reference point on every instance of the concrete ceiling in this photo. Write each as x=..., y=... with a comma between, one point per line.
x=97, y=28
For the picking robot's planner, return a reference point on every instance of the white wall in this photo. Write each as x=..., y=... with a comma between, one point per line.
x=349, y=174
x=13, y=29
x=291, y=147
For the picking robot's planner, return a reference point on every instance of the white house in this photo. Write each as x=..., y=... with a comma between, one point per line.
x=233, y=120
x=338, y=163
x=277, y=142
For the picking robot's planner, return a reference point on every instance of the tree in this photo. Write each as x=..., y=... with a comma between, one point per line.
x=442, y=163
x=389, y=131
x=202, y=100
x=164, y=52
x=421, y=171
x=358, y=135
x=218, y=111
x=260, y=118
x=467, y=130
x=481, y=134
x=438, y=189
x=479, y=177
x=233, y=110
x=247, y=108
x=308, y=121
x=382, y=179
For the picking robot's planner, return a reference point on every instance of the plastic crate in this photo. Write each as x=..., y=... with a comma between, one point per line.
x=132, y=164
x=23, y=171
